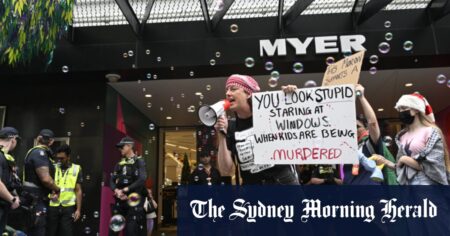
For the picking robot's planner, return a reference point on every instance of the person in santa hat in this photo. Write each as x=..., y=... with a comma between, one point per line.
x=422, y=157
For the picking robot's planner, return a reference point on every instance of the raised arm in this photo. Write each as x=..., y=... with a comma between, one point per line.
x=369, y=113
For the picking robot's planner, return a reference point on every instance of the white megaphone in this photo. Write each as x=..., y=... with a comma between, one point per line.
x=210, y=114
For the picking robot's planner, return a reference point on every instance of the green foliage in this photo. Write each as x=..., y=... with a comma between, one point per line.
x=31, y=27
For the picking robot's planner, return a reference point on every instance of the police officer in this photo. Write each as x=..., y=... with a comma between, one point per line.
x=129, y=178
x=8, y=141
x=65, y=209
x=38, y=181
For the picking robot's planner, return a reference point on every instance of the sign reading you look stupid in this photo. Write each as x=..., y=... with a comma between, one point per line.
x=308, y=126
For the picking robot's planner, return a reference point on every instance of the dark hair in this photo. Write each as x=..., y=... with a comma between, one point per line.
x=63, y=148
x=363, y=120
x=43, y=140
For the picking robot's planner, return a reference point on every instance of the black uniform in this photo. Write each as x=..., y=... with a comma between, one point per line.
x=200, y=176
x=39, y=156
x=239, y=143
x=131, y=173
x=6, y=174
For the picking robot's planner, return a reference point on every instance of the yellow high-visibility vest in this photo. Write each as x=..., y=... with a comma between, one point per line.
x=67, y=183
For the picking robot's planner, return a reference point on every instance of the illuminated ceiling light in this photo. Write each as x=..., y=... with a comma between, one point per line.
x=408, y=84
x=380, y=109
x=172, y=145
x=148, y=95
x=169, y=118
x=182, y=147
x=198, y=93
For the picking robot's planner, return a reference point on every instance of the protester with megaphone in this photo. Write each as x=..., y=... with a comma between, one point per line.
x=234, y=140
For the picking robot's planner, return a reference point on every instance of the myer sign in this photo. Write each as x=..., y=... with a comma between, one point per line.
x=323, y=45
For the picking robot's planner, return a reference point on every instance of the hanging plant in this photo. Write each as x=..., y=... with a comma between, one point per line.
x=31, y=27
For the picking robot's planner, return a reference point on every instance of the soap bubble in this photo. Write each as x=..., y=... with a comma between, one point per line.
x=62, y=111
x=297, y=67
x=171, y=99
x=151, y=126
x=191, y=73
x=149, y=105
x=441, y=79
x=249, y=62
x=149, y=76
x=273, y=82
x=196, y=178
x=87, y=230
x=387, y=140
x=82, y=124
x=191, y=109
x=220, y=5
x=117, y=223
x=388, y=36
x=212, y=62
x=178, y=106
x=96, y=214
x=158, y=59
x=384, y=47
x=387, y=24
x=373, y=70
x=155, y=76
x=134, y=199
x=275, y=74
x=69, y=133
x=208, y=87
x=408, y=45
x=310, y=84
x=125, y=55
x=217, y=54
x=234, y=28
x=347, y=53
x=268, y=65
x=329, y=60
x=373, y=59
x=65, y=69
x=147, y=51
x=130, y=53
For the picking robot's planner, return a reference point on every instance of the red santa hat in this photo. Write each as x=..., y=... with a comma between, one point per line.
x=418, y=102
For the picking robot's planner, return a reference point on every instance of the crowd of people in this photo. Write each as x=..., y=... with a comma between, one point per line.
x=50, y=190
x=49, y=194
x=422, y=158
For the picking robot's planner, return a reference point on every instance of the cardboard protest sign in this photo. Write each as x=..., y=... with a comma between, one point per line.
x=345, y=71
x=308, y=126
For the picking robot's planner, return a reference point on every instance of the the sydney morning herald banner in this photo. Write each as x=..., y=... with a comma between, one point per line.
x=313, y=210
